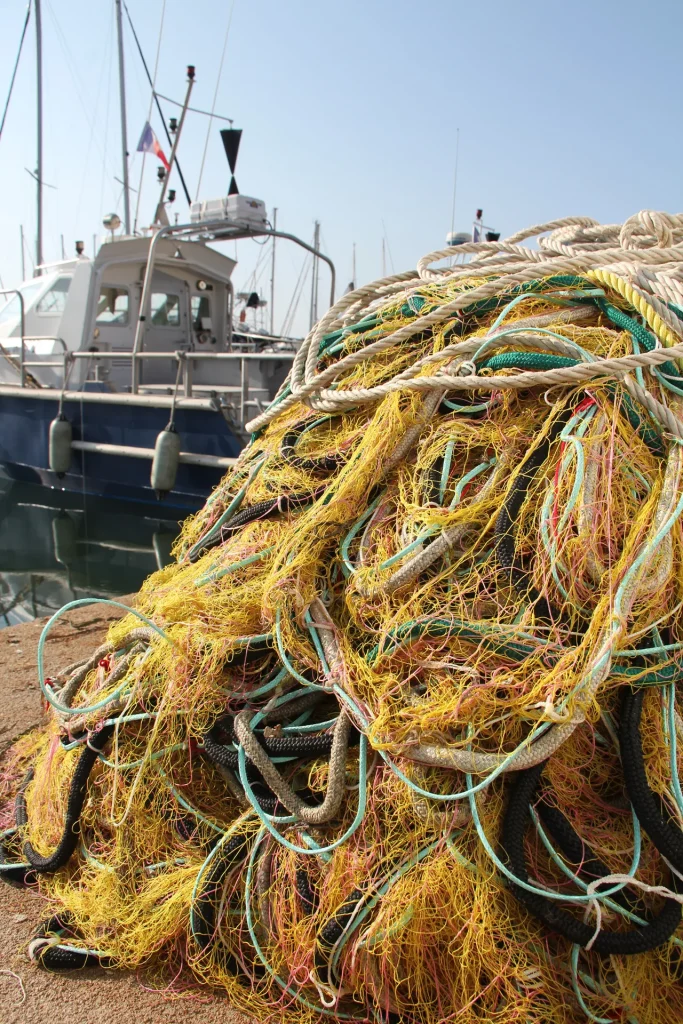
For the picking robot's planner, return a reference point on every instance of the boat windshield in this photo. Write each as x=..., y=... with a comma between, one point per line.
x=12, y=308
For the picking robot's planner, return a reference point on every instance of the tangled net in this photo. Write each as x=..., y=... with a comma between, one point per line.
x=395, y=738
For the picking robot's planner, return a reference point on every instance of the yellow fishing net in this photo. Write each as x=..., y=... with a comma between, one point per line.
x=409, y=693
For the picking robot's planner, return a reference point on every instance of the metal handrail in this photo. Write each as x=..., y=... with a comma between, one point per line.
x=181, y=354
x=15, y=291
x=46, y=337
x=220, y=232
x=185, y=358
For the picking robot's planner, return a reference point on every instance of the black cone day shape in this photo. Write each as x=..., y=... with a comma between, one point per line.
x=231, y=144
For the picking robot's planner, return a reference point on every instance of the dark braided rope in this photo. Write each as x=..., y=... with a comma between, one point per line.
x=76, y=799
x=656, y=932
x=308, y=896
x=331, y=932
x=312, y=745
x=328, y=461
x=261, y=510
x=663, y=832
x=53, y=956
x=16, y=875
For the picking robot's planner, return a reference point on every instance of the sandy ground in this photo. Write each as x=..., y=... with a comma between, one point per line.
x=87, y=997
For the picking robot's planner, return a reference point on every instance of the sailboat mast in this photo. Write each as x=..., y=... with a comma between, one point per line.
x=39, y=148
x=124, y=128
x=272, y=276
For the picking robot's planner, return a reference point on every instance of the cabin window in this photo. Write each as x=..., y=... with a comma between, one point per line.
x=112, y=306
x=165, y=310
x=12, y=308
x=201, y=312
x=53, y=301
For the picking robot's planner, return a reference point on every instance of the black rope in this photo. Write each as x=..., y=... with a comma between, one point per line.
x=314, y=745
x=17, y=875
x=329, y=461
x=654, y=933
x=576, y=851
x=53, y=956
x=308, y=896
x=204, y=910
x=663, y=832
x=261, y=510
x=76, y=799
x=332, y=931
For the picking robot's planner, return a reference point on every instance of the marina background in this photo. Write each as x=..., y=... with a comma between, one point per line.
x=350, y=115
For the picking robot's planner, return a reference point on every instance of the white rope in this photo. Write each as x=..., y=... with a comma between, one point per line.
x=647, y=249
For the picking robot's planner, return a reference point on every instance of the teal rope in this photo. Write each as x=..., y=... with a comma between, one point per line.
x=80, y=603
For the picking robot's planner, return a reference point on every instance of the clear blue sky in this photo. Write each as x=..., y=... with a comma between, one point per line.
x=350, y=110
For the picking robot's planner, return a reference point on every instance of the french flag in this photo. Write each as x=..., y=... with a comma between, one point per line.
x=149, y=143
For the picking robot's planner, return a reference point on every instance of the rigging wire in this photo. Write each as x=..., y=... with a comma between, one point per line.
x=288, y=321
x=215, y=97
x=195, y=110
x=16, y=67
x=149, y=112
x=156, y=100
x=81, y=90
x=386, y=239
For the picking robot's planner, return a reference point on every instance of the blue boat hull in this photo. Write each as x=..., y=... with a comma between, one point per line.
x=24, y=427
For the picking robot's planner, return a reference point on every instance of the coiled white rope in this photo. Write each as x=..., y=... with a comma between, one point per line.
x=647, y=250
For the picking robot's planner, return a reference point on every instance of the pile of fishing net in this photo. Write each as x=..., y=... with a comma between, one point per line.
x=396, y=736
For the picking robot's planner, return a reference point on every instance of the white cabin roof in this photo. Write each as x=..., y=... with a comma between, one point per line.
x=169, y=253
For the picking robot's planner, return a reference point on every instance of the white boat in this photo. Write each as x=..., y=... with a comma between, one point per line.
x=106, y=358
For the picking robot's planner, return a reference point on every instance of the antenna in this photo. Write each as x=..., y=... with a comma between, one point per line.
x=160, y=216
x=455, y=178
x=314, y=281
x=272, y=276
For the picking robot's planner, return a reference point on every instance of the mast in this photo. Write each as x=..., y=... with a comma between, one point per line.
x=39, y=147
x=124, y=129
x=314, y=282
x=272, y=276
x=160, y=216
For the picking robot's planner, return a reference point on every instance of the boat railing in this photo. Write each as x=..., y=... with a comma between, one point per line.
x=15, y=291
x=246, y=395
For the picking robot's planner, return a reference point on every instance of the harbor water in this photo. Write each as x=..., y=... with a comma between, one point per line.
x=57, y=547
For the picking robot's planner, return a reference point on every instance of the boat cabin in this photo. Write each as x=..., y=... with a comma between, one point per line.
x=93, y=305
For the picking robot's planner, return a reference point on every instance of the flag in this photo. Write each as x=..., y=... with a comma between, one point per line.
x=150, y=144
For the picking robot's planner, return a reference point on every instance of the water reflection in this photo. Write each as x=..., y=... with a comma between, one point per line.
x=56, y=547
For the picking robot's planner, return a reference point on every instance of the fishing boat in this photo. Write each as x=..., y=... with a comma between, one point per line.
x=123, y=373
